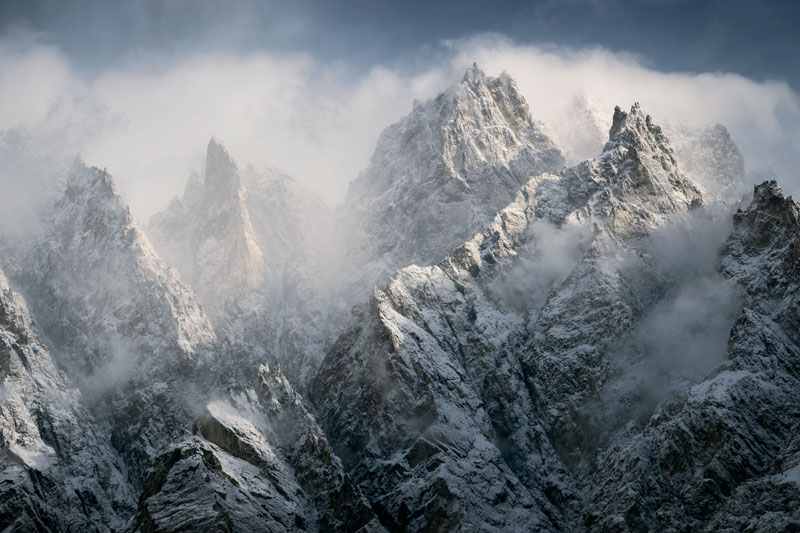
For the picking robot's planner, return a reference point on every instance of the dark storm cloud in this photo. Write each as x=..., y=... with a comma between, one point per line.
x=755, y=39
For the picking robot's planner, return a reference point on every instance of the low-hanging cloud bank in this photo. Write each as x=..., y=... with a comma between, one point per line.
x=148, y=120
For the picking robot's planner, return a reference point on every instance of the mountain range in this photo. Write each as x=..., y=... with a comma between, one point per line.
x=507, y=326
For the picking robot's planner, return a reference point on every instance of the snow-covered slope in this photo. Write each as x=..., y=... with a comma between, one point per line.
x=454, y=406
x=593, y=348
x=175, y=424
x=258, y=462
x=720, y=457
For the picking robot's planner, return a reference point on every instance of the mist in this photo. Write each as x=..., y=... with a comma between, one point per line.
x=550, y=253
x=687, y=313
x=148, y=119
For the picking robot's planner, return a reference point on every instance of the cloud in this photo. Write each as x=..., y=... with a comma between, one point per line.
x=148, y=120
x=688, y=310
x=149, y=126
x=549, y=253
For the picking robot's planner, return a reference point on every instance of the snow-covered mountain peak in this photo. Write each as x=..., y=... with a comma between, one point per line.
x=581, y=128
x=500, y=92
x=708, y=155
x=95, y=256
x=635, y=130
x=441, y=173
x=84, y=181
x=705, y=153
x=120, y=322
x=768, y=227
x=473, y=75
x=236, y=230
x=255, y=245
x=213, y=242
x=524, y=366
x=634, y=184
x=620, y=119
x=768, y=197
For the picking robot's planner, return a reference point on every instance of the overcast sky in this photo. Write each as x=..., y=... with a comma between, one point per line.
x=139, y=87
x=758, y=39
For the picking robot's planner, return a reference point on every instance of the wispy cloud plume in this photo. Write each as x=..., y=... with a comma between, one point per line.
x=319, y=121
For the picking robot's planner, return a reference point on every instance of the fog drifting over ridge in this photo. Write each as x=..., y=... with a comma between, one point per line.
x=148, y=120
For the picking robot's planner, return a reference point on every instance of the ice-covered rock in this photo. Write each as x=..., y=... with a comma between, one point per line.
x=706, y=153
x=720, y=457
x=433, y=400
x=537, y=360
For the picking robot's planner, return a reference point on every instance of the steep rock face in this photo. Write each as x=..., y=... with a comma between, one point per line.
x=339, y=503
x=498, y=389
x=702, y=458
x=769, y=501
x=287, y=319
x=441, y=174
x=696, y=450
x=119, y=321
x=57, y=468
x=257, y=220
x=198, y=486
x=258, y=461
x=633, y=188
x=430, y=399
x=421, y=396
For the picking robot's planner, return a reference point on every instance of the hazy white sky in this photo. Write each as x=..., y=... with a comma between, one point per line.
x=148, y=118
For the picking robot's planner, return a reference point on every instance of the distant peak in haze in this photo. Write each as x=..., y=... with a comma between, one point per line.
x=221, y=170
x=83, y=179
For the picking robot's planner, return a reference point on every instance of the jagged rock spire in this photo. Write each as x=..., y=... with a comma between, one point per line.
x=221, y=173
x=636, y=128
